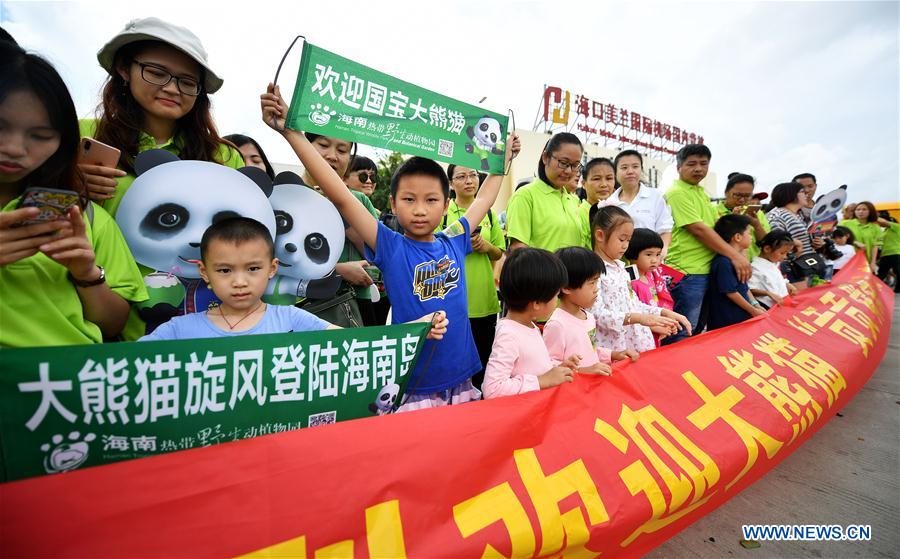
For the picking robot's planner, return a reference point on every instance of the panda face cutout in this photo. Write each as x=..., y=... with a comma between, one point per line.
x=309, y=232
x=487, y=132
x=386, y=398
x=829, y=205
x=165, y=212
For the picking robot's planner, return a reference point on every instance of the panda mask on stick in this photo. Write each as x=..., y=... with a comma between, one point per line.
x=172, y=202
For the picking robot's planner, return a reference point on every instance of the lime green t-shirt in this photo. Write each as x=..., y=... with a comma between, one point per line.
x=891, y=241
x=753, y=250
x=39, y=306
x=226, y=155
x=690, y=204
x=543, y=217
x=350, y=254
x=481, y=292
x=867, y=234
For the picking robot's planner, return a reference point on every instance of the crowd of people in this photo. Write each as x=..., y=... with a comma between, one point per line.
x=585, y=280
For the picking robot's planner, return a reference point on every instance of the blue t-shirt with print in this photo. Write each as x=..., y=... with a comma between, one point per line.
x=723, y=279
x=278, y=319
x=422, y=278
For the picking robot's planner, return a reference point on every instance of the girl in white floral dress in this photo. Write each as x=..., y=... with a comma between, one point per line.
x=624, y=322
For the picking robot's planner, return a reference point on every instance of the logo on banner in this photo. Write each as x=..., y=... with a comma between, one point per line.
x=320, y=115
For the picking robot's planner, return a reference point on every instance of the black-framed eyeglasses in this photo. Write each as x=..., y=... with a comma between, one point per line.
x=366, y=176
x=575, y=167
x=157, y=75
x=741, y=196
x=470, y=176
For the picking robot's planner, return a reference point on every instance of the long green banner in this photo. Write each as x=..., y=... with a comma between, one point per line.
x=63, y=408
x=335, y=96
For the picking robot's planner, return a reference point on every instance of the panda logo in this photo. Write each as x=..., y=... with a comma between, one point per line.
x=309, y=240
x=387, y=397
x=486, y=138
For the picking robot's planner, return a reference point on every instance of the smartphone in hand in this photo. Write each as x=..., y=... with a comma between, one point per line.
x=53, y=203
x=97, y=153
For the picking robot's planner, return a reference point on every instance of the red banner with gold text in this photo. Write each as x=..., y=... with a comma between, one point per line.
x=612, y=465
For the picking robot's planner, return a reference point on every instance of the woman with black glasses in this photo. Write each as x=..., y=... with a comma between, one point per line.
x=543, y=214
x=156, y=96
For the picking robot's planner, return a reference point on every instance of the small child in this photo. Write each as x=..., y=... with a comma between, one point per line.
x=570, y=330
x=844, y=241
x=237, y=261
x=622, y=320
x=767, y=283
x=519, y=362
x=730, y=300
x=645, y=252
x=423, y=272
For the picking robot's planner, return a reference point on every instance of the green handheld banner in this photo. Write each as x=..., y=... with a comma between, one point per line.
x=340, y=98
x=62, y=408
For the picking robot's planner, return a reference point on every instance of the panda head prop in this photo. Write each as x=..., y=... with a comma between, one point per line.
x=387, y=397
x=172, y=202
x=309, y=231
x=823, y=215
x=487, y=132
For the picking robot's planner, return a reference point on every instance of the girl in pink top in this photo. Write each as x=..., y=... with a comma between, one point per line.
x=645, y=252
x=622, y=320
x=519, y=362
x=570, y=330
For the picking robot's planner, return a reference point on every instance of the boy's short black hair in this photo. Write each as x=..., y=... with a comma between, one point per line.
x=420, y=166
x=730, y=225
x=581, y=265
x=236, y=230
x=804, y=176
x=689, y=150
x=641, y=240
x=775, y=239
x=531, y=274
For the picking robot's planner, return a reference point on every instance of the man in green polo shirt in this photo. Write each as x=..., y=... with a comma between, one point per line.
x=694, y=242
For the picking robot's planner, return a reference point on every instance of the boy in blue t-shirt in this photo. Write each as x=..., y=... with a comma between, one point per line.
x=730, y=300
x=237, y=260
x=423, y=272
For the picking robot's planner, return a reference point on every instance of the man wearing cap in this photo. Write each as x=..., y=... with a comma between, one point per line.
x=156, y=96
x=739, y=197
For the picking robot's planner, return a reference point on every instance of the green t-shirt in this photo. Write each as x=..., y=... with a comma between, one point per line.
x=753, y=250
x=350, y=254
x=481, y=292
x=891, y=241
x=544, y=217
x=39, y=306
x=227, y=155
x=867, y=234
x=690, y=204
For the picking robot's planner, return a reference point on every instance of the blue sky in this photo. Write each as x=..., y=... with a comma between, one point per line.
x=775, y=88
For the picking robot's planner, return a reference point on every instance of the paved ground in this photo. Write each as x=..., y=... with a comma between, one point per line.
x=848, y=473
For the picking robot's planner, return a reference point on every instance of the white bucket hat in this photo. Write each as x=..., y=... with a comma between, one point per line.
x=155, y=29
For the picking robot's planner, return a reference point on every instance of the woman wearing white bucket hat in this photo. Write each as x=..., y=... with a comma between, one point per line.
x=156, y=96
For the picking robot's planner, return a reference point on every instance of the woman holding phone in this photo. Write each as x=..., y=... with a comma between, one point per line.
x=67, y=280
x=739, y=199
x=156, y=96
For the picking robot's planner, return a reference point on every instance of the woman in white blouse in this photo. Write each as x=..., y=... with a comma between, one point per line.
x=645, y=205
